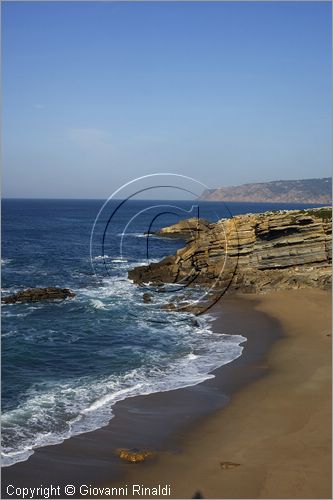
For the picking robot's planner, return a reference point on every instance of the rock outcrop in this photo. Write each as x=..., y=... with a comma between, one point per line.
x=134, y=456
x=147, y=297
x=185, y=229
x=37, y=294
x=252, y=253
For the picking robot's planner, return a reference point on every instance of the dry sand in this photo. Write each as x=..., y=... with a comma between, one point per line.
x=277, y=425
x=156, y=421
x=277, y=428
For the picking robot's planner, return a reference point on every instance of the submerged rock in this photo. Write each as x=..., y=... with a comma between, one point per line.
x=134, y=456
x=147, y=297
x=169, y=307
x=37, y=294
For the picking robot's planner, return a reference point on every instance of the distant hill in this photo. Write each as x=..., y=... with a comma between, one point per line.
x=298, y=191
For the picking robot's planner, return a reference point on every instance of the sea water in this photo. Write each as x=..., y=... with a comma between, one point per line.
x=66, y=363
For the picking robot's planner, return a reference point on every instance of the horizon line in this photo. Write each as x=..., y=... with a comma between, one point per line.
x=3, y=198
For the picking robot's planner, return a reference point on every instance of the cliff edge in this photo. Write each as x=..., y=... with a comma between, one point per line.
x=251, y=253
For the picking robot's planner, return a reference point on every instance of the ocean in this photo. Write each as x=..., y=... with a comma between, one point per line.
x=66, y=363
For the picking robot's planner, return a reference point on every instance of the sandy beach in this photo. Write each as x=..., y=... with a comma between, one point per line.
x=166, y=254
x=268, y=411
x=155, y=421
x=278, y=428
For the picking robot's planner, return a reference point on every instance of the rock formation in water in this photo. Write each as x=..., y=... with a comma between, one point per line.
x=251, y=253
x=298, y=191
x=185, y=229
x=37, y=294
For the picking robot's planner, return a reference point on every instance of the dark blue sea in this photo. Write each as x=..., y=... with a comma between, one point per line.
x=66, y=363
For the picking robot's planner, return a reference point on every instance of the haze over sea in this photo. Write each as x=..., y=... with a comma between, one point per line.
x=66, y=363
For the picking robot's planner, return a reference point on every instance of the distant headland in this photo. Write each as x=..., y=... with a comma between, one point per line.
x=297, y=191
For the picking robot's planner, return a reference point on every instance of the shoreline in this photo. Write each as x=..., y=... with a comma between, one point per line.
x=159, y=418
x=278, y=429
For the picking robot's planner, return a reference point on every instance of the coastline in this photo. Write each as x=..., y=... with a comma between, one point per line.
x=278, y=429
x=154, y=421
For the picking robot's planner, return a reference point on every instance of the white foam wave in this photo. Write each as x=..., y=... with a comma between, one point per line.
x=192, y=356
x=84, y=404
x=143, y=235
x=133, y=235
x=71, y=408
x=97, y=304
x=109, y=257
x=5, y=261
x=10, y=333
x=118, y=288
x=101, y=257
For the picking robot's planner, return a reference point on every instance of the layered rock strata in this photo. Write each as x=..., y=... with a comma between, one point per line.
x=187, y=229
x=251, y=253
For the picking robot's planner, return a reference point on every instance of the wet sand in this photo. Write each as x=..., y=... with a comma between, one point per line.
x=269, y=411
x=278, y=429
x=157, y=421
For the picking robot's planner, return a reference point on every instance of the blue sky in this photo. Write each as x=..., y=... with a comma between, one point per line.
x=95, y=94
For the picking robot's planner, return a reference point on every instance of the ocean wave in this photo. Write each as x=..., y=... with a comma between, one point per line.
x=74, y=407
x=6, y=313
x=144, y=235
x=10, y=333
x=118, y=264
x=5, y=261
x=101, y=257
x=119, y=288
x=97, y=304
x=185, y=354
x=133, y=235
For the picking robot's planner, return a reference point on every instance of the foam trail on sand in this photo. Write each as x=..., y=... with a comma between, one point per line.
x=53, y=412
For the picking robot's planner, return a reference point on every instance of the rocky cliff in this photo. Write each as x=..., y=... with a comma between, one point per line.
x=186, y=229
x=251, y=253
x=298, y=191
